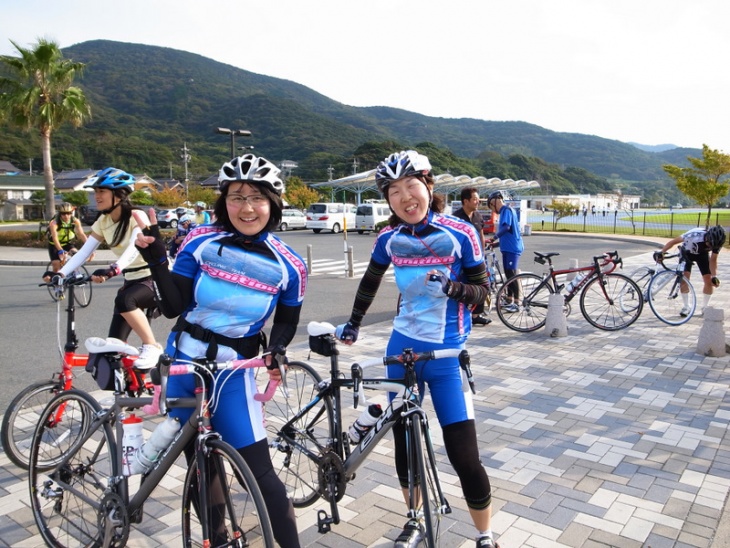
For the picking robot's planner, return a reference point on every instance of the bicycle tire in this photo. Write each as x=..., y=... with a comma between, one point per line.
x=290, y=440
x=21, y=418
x=51, y=289
x=533, y=307
x=83, y=292
x=665, y=298
x=613, y=304
x=246, y=520
x=433, y=503
x=65, y=497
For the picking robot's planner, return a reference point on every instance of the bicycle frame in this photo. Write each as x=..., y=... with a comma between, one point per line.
x=404, y=405
x=596, y=269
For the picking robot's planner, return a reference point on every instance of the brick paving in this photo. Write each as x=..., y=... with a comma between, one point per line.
x=593, y=439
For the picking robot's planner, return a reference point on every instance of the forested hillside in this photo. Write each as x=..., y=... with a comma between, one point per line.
x=147, y=101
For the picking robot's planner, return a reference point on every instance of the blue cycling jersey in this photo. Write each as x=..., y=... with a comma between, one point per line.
x=442, y=243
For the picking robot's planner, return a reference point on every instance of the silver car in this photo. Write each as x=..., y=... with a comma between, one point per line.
x=292, y=219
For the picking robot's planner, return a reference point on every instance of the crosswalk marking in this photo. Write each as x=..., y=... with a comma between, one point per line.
x=324, y=267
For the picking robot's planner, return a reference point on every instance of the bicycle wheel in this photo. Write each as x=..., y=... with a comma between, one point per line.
x=295, y=443
x=51, y=289
x=666, y=299
x=65, y=498
x=433, y=502
x=612, y=305
x=235, y=511
x=21, y=418
x=532, y=311
x=82, y=292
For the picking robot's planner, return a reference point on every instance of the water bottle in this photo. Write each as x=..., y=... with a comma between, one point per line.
x=146, y=456
x=575, y=282
x=364, y=423
x=132, y=439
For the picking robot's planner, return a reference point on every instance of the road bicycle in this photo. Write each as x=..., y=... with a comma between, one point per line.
x=608, y=300
x=24, y=410
x=83, y=291
x=309, y=443
x=664, y=288
x=80, y=489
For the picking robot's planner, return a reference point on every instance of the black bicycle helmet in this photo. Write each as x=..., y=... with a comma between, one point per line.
x=400, y=164
x=253, y=169
x=715, y=237
x=113, y=179
x=496, y=195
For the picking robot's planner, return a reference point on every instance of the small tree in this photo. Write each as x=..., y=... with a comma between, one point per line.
x=561, y=209
x=168, y=197
x=198, y=193
x=141, y=198
x=298, y=194
x=706, y=181
x=76, y=197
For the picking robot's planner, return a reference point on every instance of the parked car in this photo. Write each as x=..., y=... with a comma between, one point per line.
x=370, y=215
x=88, y=214
x=292, y=219
x=167, y=218
x=331, y=216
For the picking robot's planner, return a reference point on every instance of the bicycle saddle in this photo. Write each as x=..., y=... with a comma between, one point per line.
x=97, y=345
x=315, y=329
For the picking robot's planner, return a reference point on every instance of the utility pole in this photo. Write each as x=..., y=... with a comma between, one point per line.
x=185, y=156
x=330, y=171
x=355, y=165
x=30, y=166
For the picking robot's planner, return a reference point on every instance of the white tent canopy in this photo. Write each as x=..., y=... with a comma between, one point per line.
x=445, y=184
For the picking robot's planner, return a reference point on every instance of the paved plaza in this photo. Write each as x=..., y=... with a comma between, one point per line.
x=593, y=439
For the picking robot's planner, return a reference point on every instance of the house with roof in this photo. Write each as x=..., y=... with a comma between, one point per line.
x=6, y=168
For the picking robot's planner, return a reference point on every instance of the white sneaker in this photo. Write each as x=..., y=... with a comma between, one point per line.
x=148, y=356
x=684, y=312
x=511, y=308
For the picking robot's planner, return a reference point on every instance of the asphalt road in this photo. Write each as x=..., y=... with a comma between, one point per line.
x=30, y=339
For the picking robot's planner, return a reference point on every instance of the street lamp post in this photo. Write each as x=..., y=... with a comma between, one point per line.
x=233, y=133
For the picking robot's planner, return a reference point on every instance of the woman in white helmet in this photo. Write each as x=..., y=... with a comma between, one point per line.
x=227, y=280
x=439, y=269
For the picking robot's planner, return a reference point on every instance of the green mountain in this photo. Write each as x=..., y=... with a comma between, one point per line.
x=147, y=101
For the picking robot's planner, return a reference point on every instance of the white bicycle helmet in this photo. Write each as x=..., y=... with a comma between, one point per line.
x=400, y=164
x=184, y=219
x=252, y=169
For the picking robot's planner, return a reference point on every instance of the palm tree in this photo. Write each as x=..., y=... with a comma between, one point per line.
x=36, y=93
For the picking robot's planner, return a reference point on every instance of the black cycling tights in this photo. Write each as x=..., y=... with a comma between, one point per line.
x=278, y=504
x=132, y=295
x=460, y=441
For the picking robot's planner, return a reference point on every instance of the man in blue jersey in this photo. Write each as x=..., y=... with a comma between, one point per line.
x=511, y=244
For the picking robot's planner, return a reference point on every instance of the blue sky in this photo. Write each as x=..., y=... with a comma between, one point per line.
x=648, y=71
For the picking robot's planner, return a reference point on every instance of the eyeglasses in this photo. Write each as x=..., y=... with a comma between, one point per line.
x=255, y=200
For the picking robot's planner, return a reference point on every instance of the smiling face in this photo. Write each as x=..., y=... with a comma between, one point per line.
x=409, y=198
x=248, y=209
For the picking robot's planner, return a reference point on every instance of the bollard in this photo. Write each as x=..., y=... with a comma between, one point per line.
x=349, y=266
x=309, y=258
x=556, y=324
x=711, y=340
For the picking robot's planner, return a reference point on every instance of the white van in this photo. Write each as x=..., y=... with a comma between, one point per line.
x=334, y=217
x=369, y=215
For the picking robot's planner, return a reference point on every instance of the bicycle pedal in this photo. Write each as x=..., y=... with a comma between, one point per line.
x=324, y=522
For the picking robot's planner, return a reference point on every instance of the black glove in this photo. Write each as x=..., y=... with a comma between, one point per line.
x=278, y=356
x=48, y=274
x=715, y=281
x=438, y=284
x=155, y=253
x=658, y=256
x=347, y=332
x=107, y=273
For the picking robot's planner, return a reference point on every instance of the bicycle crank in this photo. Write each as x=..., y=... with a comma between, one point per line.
x=331, y=475
x=113, y=521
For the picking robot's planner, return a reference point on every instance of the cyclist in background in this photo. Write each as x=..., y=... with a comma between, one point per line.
x=184, y=225
x=119, y=230
x=439, y=269
x=510, y=243
x=700, y=246
x=201, y=216
x=63, y=230
x=228, y=279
